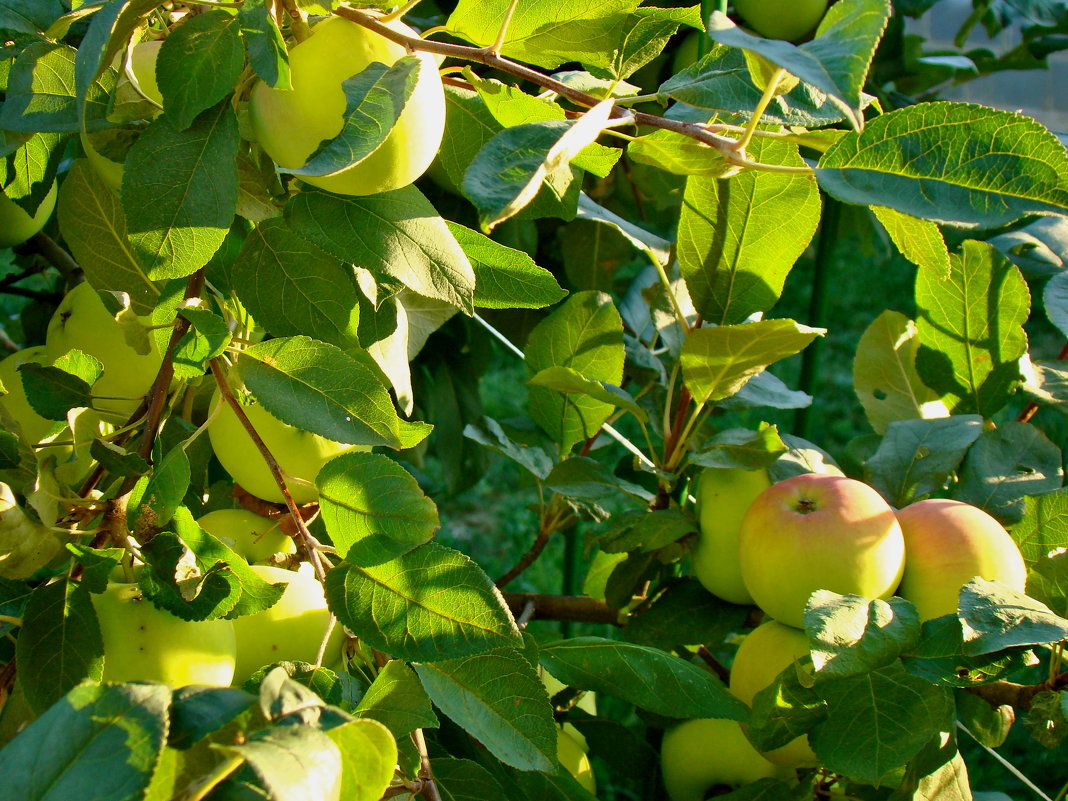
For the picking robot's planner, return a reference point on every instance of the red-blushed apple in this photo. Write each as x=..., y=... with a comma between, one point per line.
x=947, y=544
x=765, y=653
x=818, y=532
x=723, y=496
x=698, y=755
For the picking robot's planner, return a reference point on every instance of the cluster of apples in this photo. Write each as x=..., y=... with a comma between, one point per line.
x=774, y=545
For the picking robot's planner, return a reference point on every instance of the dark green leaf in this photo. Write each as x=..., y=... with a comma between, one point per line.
x=491, y=435
x=266, y=48
x=939, y=657
x=397, y=700
x=198, y=710
x=685, y=614
x=505, y=278
x=740, y=447
x=41, y=94
x=1044, y=527
x=52, y=392
x=995, y=617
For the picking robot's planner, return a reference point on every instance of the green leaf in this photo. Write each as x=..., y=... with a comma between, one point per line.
x=29, y=16
x=786, y=709
x=971, y=329
x=836, y=62
x=31, y=170
x=368, y=759
x=320, y=388
x=199, y=64
x=498, y=699
x=849, y=635
x=397, y=700
x=885, y=377
x=290, y=286
x=585, y=334
x=718, y=361
x=374, y=100
x=587, y=479
x=179, y=191
x=657, y=247
x=740, y=447
x=107, y=34
x=468, y=127
x=464, y=780
x=163, y=492
x=646, y=677
x=939, y=657
x=506, y=278
x=953, y=163
x=266, y=48
x=490, y=434
x=373, y=508
x=878, y=722
x=1048, y=582
x=59, y=645
x=41, y=93
x=919, y=241
x=208, y=336
x=398, y=234
x=640, y=528
x=1044, y=526
x=916, y=457
x=110, y=739
x=738, y=238
x=52, y=392
x=293, y=763
x=678, y=154
x=995, y=617
x=94, y=226
x=684, y=614
x=1047, y=719
x=1055, y=301
x=429, y=604
x=646, y=32
x=570, y=382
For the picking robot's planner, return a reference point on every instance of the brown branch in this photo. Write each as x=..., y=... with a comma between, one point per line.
x=576, y=608
x=716, y=666
x=56, y=256
x=1018, y=696
x=430, y=787
x=545, y=531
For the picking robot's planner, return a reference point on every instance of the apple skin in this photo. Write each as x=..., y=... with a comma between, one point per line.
x=248, y=534
x=782, y=19
x=16, y=226
x=301, y=454
x=82, y=322
x=572, y=756
x=723, y=496
x=290, y=631
x=818, y=532
x=765, y=653
x=34, y=427
x=700, y=754
x=145, y=643
x=947, y=544
x=291, y=124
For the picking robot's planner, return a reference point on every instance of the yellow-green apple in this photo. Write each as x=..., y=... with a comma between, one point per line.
x=16, y=226
x=947, y=544
x=723, y=496
x=572, y=755
x=782, y=19
x=81, y=321
x=818, y=532
x=33, y=426
x=765, y=653
x=290, y=124
x=699, y=755
x=248, y=534
x=145, y=643
x=300, y=454
x=291, y=630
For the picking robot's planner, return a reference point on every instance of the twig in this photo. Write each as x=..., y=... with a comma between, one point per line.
x=430, y=787
x=717, y=666
x=56, y=256
x=1018, y=696
x=576, y=608
x=545, y=531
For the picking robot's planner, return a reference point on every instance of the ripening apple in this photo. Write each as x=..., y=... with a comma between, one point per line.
x=699, y=755
x=947, y=544
x=765, y=653
x=301, y=454
x=782, y=19
x=33, y=426
x=145, y=643
x=572, y=755
x=16, y=226
x=248, y=534
x=290, y=631
x=818, y=532
x=81, y=321
x=723, y=496
x=290, y=124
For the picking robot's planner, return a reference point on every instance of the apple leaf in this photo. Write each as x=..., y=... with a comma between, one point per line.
x=429, y=604
x=684, y=613
x=107, y=34
x=179, y=191
x=290, y=286
x=53, y=391
x=678, y=154
x=198, y=710
x=920, y=241
x=571, y=382
x=31, y=170
x=1044, y=527
x=850, y=635
x=292, y=763
x=320, y=388
x=397, y=700
x=995, y=617
x=646, y=677
x=644, y=529
x=59, y=645
x=877, y=722
x=464, y=780
x=645, y=34
x=468, y=127
x=398, y=234
x=374, y=100
x=158, y=497
x=530, y=457
x=718, y=361
x=1048, y=582
x=939, y=657
x=585, y=334
x=765, y=389
x=368, y=759
x=587, y=479
x=208, y=336
x=740, y=447
x=267, y=54
x=373, y=508
x=41, y=94
x=198, y=65
x=785, y=710
x=105, y=737
x=760, y=790
x=29, y=16
x=738, y=239
x=498, y=699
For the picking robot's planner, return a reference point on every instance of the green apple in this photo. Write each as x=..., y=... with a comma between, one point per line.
x=572, y=756
x=16, y=226
x=699, y=755
x=290, y=124
x=145, y=643
x=254, y=537
x=765, y=653
x=81, y=321
x=782, y=19
x=290, y=631
x=33, y=426
x=300, y=454
x=723, y=496
x=818, y=532
x=947, y=544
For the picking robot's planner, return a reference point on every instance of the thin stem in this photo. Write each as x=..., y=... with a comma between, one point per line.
x=680, y=444
x=765, y=100
x=14, y=621
x=630, y=100
x=498, y=43
x=57, y=256
x=549, y=523
x=679, y=316
x=430, y=787
x=400, y=11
